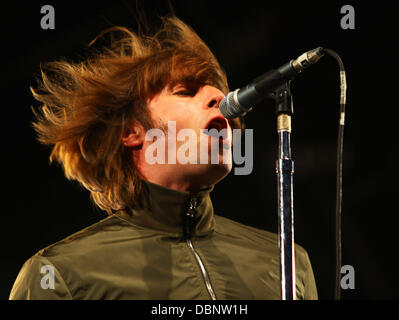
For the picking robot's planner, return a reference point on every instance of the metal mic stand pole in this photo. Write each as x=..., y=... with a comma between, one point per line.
x=285, y=170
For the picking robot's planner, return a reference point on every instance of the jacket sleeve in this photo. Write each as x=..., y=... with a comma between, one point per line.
x=310, y=282
x=39, y=279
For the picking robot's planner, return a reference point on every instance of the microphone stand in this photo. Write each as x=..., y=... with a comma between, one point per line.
x=284, y=171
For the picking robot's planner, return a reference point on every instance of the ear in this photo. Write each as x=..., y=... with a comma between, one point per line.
x=134, y=136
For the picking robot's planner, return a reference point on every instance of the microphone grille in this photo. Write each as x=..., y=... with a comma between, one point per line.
x=230, y=107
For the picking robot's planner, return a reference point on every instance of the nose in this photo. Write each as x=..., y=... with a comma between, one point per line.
x=213, y=96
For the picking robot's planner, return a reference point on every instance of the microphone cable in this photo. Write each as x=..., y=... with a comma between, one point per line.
x=338, y=200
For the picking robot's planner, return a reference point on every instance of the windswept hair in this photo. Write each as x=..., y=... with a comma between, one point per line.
x=87, y=107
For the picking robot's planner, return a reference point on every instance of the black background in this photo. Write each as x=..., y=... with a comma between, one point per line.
x=41, y=207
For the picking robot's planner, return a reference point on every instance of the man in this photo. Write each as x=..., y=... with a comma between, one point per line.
x=161, y=239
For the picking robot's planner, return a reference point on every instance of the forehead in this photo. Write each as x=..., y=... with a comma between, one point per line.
x=189, y=81
x=194, y=71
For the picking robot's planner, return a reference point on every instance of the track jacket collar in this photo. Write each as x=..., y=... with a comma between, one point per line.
x=165, y=209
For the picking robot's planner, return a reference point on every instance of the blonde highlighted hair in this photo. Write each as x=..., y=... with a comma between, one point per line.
x=87, y=107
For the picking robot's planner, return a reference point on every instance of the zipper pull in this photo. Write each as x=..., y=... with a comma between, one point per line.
x=190, y=214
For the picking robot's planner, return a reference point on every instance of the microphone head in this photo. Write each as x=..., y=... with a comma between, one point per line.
x=230, y=107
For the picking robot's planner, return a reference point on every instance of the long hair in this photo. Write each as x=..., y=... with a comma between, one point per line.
x=88, y=106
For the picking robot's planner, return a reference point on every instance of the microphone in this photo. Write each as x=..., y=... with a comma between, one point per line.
x=239, y=102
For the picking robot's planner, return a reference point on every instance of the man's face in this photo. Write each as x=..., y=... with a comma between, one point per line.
x=187, y=110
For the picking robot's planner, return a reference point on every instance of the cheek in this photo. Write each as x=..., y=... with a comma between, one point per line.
x=187, y=119
x=182, y=115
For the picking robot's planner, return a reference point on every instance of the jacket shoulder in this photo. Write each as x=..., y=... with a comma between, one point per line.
x=230, y=227
x=39, y=279
x=83, y=237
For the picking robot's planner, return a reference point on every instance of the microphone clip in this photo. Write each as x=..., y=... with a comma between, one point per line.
x=283, y=99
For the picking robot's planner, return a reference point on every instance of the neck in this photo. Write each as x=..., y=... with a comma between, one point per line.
x=179, y=185
x=168, y=176
x=190, y=178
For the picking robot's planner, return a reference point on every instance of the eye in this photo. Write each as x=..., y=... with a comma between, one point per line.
x=186, y=92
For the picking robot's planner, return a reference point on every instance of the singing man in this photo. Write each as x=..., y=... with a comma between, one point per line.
x=161, y=238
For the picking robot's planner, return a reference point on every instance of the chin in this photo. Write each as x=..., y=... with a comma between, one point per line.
x=224, y=169
x=222, y=175
x=211, y=174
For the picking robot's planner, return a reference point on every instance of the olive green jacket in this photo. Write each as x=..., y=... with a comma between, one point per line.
x=171, y=246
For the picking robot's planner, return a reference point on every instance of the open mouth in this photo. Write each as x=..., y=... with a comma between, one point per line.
x=218, y=123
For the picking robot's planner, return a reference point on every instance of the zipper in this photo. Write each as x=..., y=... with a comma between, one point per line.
x=190, y=215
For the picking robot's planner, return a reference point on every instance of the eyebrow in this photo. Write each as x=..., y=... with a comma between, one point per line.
x=186, y=80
